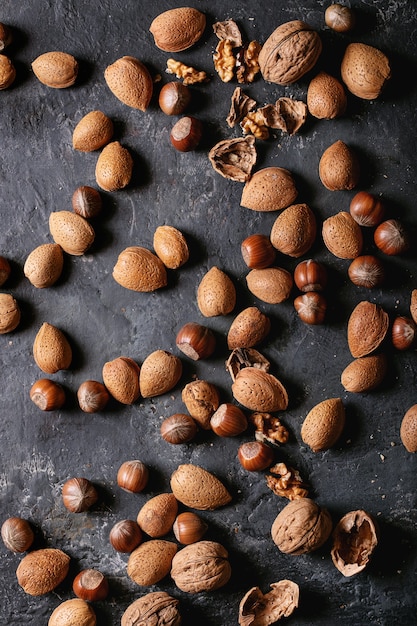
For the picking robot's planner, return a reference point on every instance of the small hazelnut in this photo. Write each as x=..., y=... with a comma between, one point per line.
x=174, y=98
x=339, y=18
x=186, y=134
x=92, y=396
x=5, y=270
x=196, y=341
x=79, y=494
x=311, y=307
x=48, y=395
x=17, y=534
x=310, y=275
x=228, y=420
x=403, y=333
x=90, y=585
x=125, y=536
x=366, y=271
x=391, y=237
x=255, y=456
x=189, y=528
x=87, y=202
x=366, y=209
x=133, y=476
x=258, y=251
x=6, y=36
x=179, y=428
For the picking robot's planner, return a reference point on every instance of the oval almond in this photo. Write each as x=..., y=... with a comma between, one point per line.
x=92, y=132
x=40, y=571
x=248, y=329
x=114, y=167
x=272, y=284
x=364, y=374
x=159, y=373
x=170, y=245
x=216, y=294
x=151, y=561
x=178, y=29
x=121, y=378
x=44, y=265
x=259, y=391
x=269, y=189
x=157, y=515
x=408, y=429
x=51, y=349
x=56, y=69
x=323, y=424
x=72, y=232
x=294, y=231
x=130, y=81
x=367, y=327
x=342, y=235
x=139, y=269
x=197, y=488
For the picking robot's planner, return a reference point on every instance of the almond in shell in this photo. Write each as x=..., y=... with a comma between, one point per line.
x=326, y=97
x=408, y=429
x=171, y=246
x=178, y=29
x=201, y=399
x=42, y=570
x=365, y=70
x=324, y=424
x=342, y=235
x=44, y=265
x=272, y=284
x=121, y=378
x=248, y=329
x=114, y=167
x=157, y=515
x=269, y=189
x=198, y=488
x=51, y=349
x=216, y=293
x=139, y=269
x=71, y=612
x=9, y=313
x=151, y=561
x=367, y=327
x=294, y=231
x=258, y=390
x=159, y=373
x=339, y=167
x=7, y=72
x=130, y=81
x=72, y=232
x=364, y=374
x=92, y=132
x=56, y=69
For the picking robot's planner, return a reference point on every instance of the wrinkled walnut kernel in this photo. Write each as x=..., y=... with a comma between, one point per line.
x=247, y=65
x=254, y=123
x=189, y=74
x=269, y=428
x=287, y=482
x=234, y=158
x=245, y=357
x=224, y=60
x=240, y=106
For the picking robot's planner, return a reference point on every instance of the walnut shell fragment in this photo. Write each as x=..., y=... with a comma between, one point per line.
x=354, y=540
x=245, y=357
x=367, y=327
x=234, y=158
x=228, y=30
x=258, y=609
x=201, y=566
x=240, y=105
x=301, y=527
x=286, y=114
x=156, y=607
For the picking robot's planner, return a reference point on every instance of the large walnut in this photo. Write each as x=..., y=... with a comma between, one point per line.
x=153, y=609
x=201, y=566
x=301, y=527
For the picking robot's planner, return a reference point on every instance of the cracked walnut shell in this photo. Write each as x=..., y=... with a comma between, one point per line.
x=234, y=158
x=153, y=608
x=355, y=538
x=301, y=527
x=258, y=609
x=201, y=566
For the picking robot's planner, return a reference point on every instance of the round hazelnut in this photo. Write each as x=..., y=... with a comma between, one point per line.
x=174, y=98
x=186, y=134
x=366, y=209
x=340, y=18
x=403, y=332
x=310, y=275
x=189, y=528
x=133, y=476
x=391, y=237
x=258, y=251
x=311, y=307
x=78, y=495
x=255, y=456
x=125, y=535
x=92, y=396
x=17, y=534
x=90, y=585
x=5, y=270
x=178, y=428
x=228, y=420
x=6, y=36
x=48, y=395
x=87, y=202
x=366, y=271
x=195, y=341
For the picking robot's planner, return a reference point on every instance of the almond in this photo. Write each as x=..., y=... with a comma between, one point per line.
x=408, y=429
x=139, y=269
x=159, y=373
x=216, y=294
x=269, y=189
x=171, y=247
x=326, y=97
x=364, y=374
x=157, y=515
x=114, y=167
x=178, y=29
x=92, y=132
x=248, y=329
x=342, y=235
x=56, y=69
x=151, y=561
x=130, y=81
x=44, y=265
x=9, y=313
x=197, y=488
x=74, y=612
x=339, y=167
x=201, y=399
x=324, y=424
x=294, y=230
x=71, y=231
x=258, y=390
x=121, y=378
x=367, y=327
x=365, y=70
x=7, y=72
x=413, y=305
x=51, y=349
x=272, y=284
x=41, y=571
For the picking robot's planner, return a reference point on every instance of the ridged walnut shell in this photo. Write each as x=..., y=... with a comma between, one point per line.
x=248, y=329
x=114, y=167
x=56, y=69
x=339, y=167
x=178, y=29
x=301, y=527
x=73, y=612
x=324, y=424
x=294, y=230
x=365, y=70
x=151, y=561
x=157, y=606
x=260, y=609
x=157, y=515
x=364, y=374
x=367, y=326
x=408, y=429
x=41, y=571
x=197, y=488
x=130, y=81
x=72, y=232
x=139, y=269
x=159, y=373
x=121, y=378
x=201, y=566
x=44, y=265
x=216, y=293
x=171, y=246
x=355, y=537
x=92, y=132
x=272, y=284
x=269, y=189
x=342, y=236
x=289, y=52
x=9, y=313
x=51, y=349
x=259, y=391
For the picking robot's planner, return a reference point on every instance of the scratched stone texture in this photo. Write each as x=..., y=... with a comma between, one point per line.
x=39, y=170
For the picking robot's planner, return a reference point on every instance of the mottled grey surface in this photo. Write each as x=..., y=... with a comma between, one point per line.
x=39, y=171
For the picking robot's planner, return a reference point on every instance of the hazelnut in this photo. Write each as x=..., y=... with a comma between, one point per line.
x=174, y=98
x=366, y=209
x=195, y=341
x=90, y=585
x=255, y=456
x=5, y=270
x=339, y=18
x=178, y=428
x=125, y=535
x=391, y=237
x=189, y=528
x=403, y=333
x=48, y=395
x=92, y=396
x=78, y=495
x=258, y=251
x=87, y=202
x=133, y=476
x=366, y=271
x=228, y=420
x=6, y=36
x=186, y=134
x=310, y=275
x=311, y=307
x=17, y=534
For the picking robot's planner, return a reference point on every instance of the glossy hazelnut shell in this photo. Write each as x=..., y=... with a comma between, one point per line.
x=133, y=476
x=255, y=456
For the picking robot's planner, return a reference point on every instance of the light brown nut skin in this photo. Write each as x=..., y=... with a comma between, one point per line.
x=44, y=265
x=75, y=612
x=323, y=424
x=114, y=167
x=130, y=81
x=121, y=378
x=355, y=537
x=342, y=236
x=56, y=69
x=151, y=561
x=364, y=374
x=199, y=489
x=157, y=606
x=301, y=527
x=71, y=231
x=92, y=132
x=339, y=167
x=408, y=429
x=159, y=373
x=259, y=391
x=234, y=158
x=294, y=231
x=42, y=570
x=326, y=97
x=367, y=327
x=216, y=293
x=365, y=70
x=249, y=328
x=265, y=609
x=269, y=189
x=201, y=566
x=201, y=399
x=171, y=246
x=7, y=72
x=139, y=269
x=9, y=313
x=51, y=349
x=289, y=52
x=157, y=515
x=178, y=29
x=272, y=284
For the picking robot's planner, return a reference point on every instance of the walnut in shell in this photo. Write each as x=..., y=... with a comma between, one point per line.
x=367, y=326
x=258, y=609
x=355, y=538
x=153, y=608
x=234, y=158
x=302, y=526
x=201, y=566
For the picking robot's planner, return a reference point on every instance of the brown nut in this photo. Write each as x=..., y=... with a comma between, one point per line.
x=178, y=428
x=56, y=69
x=5, y=270
x=87, y=202
x=9, y=313
x=408, y=429
x=258, y=390
x=132, y=476
x=201, y=566
x=339, y=167
x=255, y=456
x=311, y=307
x=272, y=284
x=121, y=378
x=228, y=420
x=7, y=72
x=178, y=29
x=44, y=265
x=323, y=424
x=234, y=158
x=201, y=399
x=198, y=488
x=151, y=561
x=189, y=528
x=216, y=293
x=130, y=81
x=366, y=271
x=310, y=275
x=157, y=606
x=265, y=609
x=79, y=495
x=71, y=612
x=140, y=270
x=289, y=53
x=6, y=36
x=92, y=132
x=326, y=97
x=186, y=134
x=258, y=252
x=366, y=209
x=403, y=332
x=125, y=536
x=367, y=326
x=339, y=18
x=71, y=231
x=160, y=372
x=174, y=98
x=294, y=230
x=364, y=374
x=365, y=70
x=391, y=237
x=158, y=514
x=195, y=341
x=342, y=236
x=17, y=534
x=92, y=396
x=48, y=395
x=51, y=349
x=355, y=537
x=171, y=246
x=90, y=585
x=269, y=189
x=301, y=527
x=249, y=328
x=42, y=570
x=114, y=167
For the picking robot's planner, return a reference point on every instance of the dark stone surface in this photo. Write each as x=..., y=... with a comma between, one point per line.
x=39, y=170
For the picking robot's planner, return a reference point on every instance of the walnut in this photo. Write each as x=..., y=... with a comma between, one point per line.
x=240, y=106
x=245, y=357
x=234, y=158
x=201, y=566
x=224, y=60
x=269, y=428
x=153, y=609
x=258, y=609
x=247, y=62
x=354, y=539
x=189, y=74
x=228, y=30
x=287, y=482
x=301, y=527
x=254, y=123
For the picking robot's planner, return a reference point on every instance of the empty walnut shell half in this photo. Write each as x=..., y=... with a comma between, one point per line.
x=302, y=526
x=234, y=158
x=354, y=540
x=264, y=609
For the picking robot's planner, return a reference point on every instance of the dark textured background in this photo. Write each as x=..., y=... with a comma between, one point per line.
x=39, y=171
